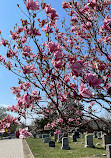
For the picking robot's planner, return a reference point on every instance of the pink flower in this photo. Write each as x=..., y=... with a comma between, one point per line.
x=53, y=47
x=24, y=133
x=29, y=69
x=58, y=64
x=107, y=24
x=2, y=58
x=76, y=68
x=57, y=131
x=70, y=119
x=59, y=120
x=85, y=92
x=93, y=80
x=30, y=4
x=4, y=42
x=66, y=4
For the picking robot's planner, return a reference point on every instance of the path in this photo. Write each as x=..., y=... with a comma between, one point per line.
x=11, y=148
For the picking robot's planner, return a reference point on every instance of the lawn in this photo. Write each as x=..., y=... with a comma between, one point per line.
x=42, y=150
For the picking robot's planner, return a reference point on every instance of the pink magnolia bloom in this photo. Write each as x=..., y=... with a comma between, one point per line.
x=59, y=120
x=66, y=4
x=2, y=58
x=30, y=4
x=24, y=133
x=70, y=119
x=29, y=69
x=57, y=131
x=51, y=11
x=76, y=68
x=53, y=47
x=3, y=42
x=85, y=92
x=25, y=86
x=93, y=80
x=58, y=64
x=107, y=24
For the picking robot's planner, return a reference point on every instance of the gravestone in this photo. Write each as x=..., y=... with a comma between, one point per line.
x=76, y=133
x=74, y=138
x=40, y=136
x=60, y=136
x=46, y=140
x=45, y=135
x=95, y=134
x=89, y=141
x=51, y=144
x=99, y=135
x=34, y=135
x=108, y=150
x=65, y=143
x=51, y=133
x=106, y=140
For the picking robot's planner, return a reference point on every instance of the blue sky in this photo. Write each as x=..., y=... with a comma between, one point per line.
x=9, y=16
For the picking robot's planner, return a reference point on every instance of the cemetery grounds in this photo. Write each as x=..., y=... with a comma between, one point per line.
x=42, y=150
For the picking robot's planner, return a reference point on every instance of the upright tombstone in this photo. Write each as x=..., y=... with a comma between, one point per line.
x=89, y=141
x=106, y=140
x=108, y=150
x=51, y=144
x=95, y=134
x=46, y=140
x=65, y=143
x=76, y=133
x=45, y=135
x=99, y=135
x=40, y=136
x=74, y=138
x=51, y=133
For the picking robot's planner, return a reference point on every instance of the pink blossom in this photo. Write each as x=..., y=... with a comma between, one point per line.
x=93, y=80
x=57, y=131
x=53, y=47
x=2, y=58
x=51, y=11
x=76, y=68
x=107, y=24
x=14, y=35
x=85, y=92
x=66, y=79
x=24, y=133
x=53, y=124
x=28, y=69
x=59, y=120
x=70, y=119
x=25, y=86
x=58, y=64
x=106, y=2
x=66, y=4
x=4, y=42
x=30, y=4
x=10, y=54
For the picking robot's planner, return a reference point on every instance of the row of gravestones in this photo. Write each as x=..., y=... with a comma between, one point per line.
x=88, y=141
x=64, y=140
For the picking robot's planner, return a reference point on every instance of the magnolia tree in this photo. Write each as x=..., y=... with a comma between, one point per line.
x=69, y=65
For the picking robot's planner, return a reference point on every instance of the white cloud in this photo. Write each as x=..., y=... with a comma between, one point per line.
x=4, y=105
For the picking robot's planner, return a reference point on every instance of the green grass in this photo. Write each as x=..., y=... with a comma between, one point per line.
x=42, y=150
